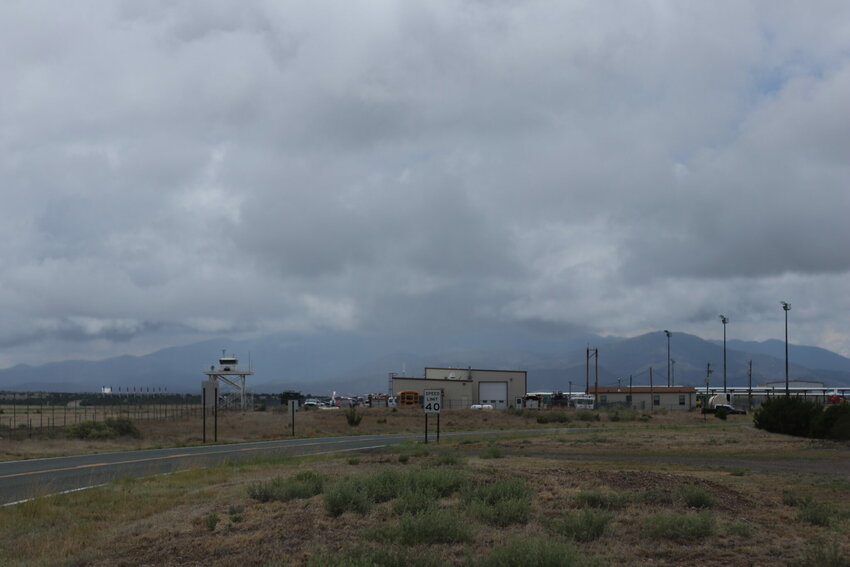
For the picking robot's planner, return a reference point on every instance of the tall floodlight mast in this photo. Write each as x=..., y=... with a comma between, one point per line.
x=786, y=307
x=724, y=319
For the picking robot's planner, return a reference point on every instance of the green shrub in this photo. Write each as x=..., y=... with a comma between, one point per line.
x=833, y=423
x=787, y=415
x=364, y=556
x=600, y=500
x=679, y=527
x=382, y=486
x=587, y=415
x=210, y=521
x=791, y=498
x=509, y=489
x=347, y=496
x=826, y=555
x=816, y=513
x=302, y=485
x=537, y=552
x=740, y=528
x=353, y=417
x=586, y=525
x=721, y=413
x=502, y=513
x=413, y=500
x=444, y=481
x=359, y=493
x=501, y=503
x=446, y=458
x=618, y=413
x=696, y=496
x=423, y=489
x=553, y=417
x=654, y=497
x=108, y=429
x=492, y=452
x=432, y=526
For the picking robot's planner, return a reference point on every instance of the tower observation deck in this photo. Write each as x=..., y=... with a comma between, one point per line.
x=228, y=374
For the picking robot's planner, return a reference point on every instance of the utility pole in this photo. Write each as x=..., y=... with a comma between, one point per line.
x=594, y=352
x=651, y=392
x=750, y=384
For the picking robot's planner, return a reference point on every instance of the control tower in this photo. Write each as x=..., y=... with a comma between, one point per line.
x=228, y=374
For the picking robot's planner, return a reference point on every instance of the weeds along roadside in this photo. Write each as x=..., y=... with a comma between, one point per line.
x=256, y=426
x=471, y=502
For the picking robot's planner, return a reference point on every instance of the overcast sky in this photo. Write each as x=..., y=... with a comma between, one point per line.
x=175, y=171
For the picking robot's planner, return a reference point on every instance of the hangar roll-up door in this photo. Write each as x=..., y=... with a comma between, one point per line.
x=493, y=393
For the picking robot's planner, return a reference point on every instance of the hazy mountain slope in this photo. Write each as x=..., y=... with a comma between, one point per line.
x=357, y=364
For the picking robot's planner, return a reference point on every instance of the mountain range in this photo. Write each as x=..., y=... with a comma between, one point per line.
x=358, y=364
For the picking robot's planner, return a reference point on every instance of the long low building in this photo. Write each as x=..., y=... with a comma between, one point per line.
x=463, y=388
x=647, y=397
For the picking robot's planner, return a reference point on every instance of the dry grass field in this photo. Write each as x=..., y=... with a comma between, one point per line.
x=665, y=490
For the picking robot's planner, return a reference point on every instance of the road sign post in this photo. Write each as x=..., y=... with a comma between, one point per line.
x=432, y=403
x=293, y=407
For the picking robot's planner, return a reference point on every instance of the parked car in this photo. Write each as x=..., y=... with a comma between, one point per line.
x=730, y=409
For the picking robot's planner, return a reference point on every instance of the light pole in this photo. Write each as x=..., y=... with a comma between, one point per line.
x=786, y=307
x=595, y=353
x=724, y=319
x=669, y=334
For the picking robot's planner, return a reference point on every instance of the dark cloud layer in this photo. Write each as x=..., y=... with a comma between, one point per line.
x=172, y=171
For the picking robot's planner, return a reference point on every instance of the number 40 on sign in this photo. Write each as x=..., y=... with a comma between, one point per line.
x=433, y=401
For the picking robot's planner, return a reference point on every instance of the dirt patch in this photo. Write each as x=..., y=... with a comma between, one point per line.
x=752, y=527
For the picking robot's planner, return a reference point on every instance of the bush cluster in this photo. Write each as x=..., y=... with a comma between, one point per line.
x=302, y=485
x=353, y=417
x=783, y=414
x=584, y=526
x=696, y=496
x=618, y=413
x=110, y=428
x=362, y=555
x=833, y=423
x=601, y=500
x=522, y=552
x=553, y=417
x=674, y=526
x=803, y=418
x=413, y=488
x=429, y=526
x=501, y=503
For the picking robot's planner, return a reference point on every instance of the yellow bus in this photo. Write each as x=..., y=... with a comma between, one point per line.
x=408, y=398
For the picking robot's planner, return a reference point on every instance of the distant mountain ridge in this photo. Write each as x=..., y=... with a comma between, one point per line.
x=357, y=364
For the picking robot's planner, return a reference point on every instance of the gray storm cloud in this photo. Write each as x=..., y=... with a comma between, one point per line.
x=175, y=170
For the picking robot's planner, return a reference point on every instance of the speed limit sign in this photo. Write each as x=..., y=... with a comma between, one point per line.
x=433, y=401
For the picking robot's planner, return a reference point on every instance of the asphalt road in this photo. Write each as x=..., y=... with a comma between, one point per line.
x=23, y=480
